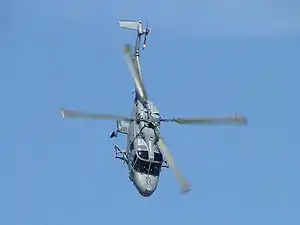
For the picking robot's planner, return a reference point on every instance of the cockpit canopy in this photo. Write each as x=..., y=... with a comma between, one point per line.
x=144, y=154
x=142, y=164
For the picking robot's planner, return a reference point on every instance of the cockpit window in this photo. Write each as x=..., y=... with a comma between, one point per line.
x=158, y=157
x=143, y=154
x=155, y=169
x=141, y=166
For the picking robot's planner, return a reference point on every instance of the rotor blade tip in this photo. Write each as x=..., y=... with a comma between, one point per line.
x=185, y=190
x=243, y=120
x=62, y=113
x=126, y=48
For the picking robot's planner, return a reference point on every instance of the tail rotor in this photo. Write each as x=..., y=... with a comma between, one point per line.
x=146, y=32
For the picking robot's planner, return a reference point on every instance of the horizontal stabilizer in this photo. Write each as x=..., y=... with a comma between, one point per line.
x=131, y=25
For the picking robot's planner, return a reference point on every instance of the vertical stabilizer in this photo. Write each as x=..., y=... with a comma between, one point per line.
x=126, y=24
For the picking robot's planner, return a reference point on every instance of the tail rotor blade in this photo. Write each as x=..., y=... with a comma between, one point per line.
x=185, y=187
x=145, y=41
x=147, y=31
x=67, y=113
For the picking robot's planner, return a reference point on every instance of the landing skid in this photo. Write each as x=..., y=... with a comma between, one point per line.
x=120, y=154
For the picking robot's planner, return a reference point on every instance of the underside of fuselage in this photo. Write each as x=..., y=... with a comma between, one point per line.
x=145, y=184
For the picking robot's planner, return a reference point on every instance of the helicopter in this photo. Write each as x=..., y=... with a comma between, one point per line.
x=146, y=152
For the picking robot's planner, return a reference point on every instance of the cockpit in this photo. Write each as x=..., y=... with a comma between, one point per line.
x=143, y=165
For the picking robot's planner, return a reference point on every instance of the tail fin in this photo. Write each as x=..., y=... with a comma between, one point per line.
x=127, y=24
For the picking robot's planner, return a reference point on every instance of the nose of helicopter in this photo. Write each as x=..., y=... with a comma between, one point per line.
x=145, y=183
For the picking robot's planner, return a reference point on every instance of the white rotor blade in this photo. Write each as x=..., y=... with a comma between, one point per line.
x=135, y=75
x=66, y=113
x=209, y=120
x=164, y=150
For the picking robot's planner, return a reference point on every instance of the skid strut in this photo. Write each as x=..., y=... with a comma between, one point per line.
x=120, y=154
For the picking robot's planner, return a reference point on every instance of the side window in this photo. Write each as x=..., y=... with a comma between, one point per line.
x=158, y=157
x=143, y=154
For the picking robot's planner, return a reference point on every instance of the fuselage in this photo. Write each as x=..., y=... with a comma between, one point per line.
x=144, y=158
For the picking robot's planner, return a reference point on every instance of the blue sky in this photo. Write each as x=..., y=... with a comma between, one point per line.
x=203, y=58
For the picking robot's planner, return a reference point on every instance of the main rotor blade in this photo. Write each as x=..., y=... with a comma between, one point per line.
x=135, y=75
x=66, y=113
x=209, y=120
x=164, y=150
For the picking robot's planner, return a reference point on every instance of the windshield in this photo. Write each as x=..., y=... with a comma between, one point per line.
x=141, y=166
x=155, y=169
